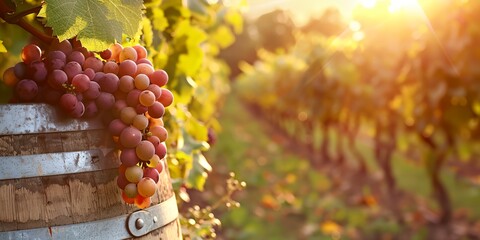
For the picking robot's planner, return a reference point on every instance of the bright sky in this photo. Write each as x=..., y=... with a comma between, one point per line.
x=301, y=10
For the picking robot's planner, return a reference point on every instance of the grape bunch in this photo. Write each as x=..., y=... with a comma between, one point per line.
x=120, y=86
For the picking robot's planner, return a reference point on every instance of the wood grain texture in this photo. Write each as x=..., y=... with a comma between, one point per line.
x=47, y=201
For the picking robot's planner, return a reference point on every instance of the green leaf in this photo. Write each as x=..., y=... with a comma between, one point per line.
x=96, y=23
x=2, y=48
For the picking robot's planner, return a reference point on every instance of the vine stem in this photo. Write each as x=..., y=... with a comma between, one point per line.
x=7, y=15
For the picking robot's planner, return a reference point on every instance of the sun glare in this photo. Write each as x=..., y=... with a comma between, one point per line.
x=394, y=5
x=408, y=5
x=368, y=3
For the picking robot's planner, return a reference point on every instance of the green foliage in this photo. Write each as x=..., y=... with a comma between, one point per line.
x=97, y=24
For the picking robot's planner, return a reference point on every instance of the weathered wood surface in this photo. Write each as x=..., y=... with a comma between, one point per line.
x=46, y=201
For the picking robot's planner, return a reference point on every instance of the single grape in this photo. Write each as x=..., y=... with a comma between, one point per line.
x=127, y=115
x=9, y=77
x=115, y=50
x=76, y=56
x=141, y=109
x=166, y=98
x=146, y=187
x=107, y=54
x=134, y=174
x=122, y=181
x=141, y=81
x=91, y=109
x=131, y=190
x=126, y=84
x=127, y=67
x=93, y=90
x=90, y=73
x=116, y=127
x=160, y=166
x=141, y=51
x=93, y=63
x=20, y=69
x=146, y=98
x=55, y=60
x=154, y=140
x=130, y=137
x=105, y=101
x=26, y=89
x=145, y=150
x=152, y=173
x=56, y=79
x=37, y=71
x=128, y=157
x=156, y=110
x=72, y=69
x=81, y=82
x=110, y=67
x=140, y=122
x=109, y=83
x=128, y=53
x=160, y=132
x=161, y=151
x=132, y=98
x=159, y=77
x=144, y=68
x=31, y=53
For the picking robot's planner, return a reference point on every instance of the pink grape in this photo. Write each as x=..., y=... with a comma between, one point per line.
x=134, y=174
x=127, y=115
x=146, y=187
x=116, y=127
x=72, y=69
x=159, y=78
x=151, y=173
x=166, y=98
x=130, y=137
x=81, y=82
x=127, y=67
x=68, y=102
x=126, y=84
x=122, y=181
x=132, y=98
x=156, y=110
x=145, y=150
x=78, y=111
x=93, y=63
x=109, y=83
x=141, y=81
x=110, y=67
x=128, y=157
x=76, y=56
x=105, y=101
x=128, y=53
x=26, y=89
x=91, y=109
x=131, y=190
x=93, y=91
x=161, y=151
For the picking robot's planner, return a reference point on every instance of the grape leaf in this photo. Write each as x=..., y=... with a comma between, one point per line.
x=96, y=23
x=2, y=48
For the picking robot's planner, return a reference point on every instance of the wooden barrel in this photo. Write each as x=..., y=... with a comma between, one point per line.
x=58, y=181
